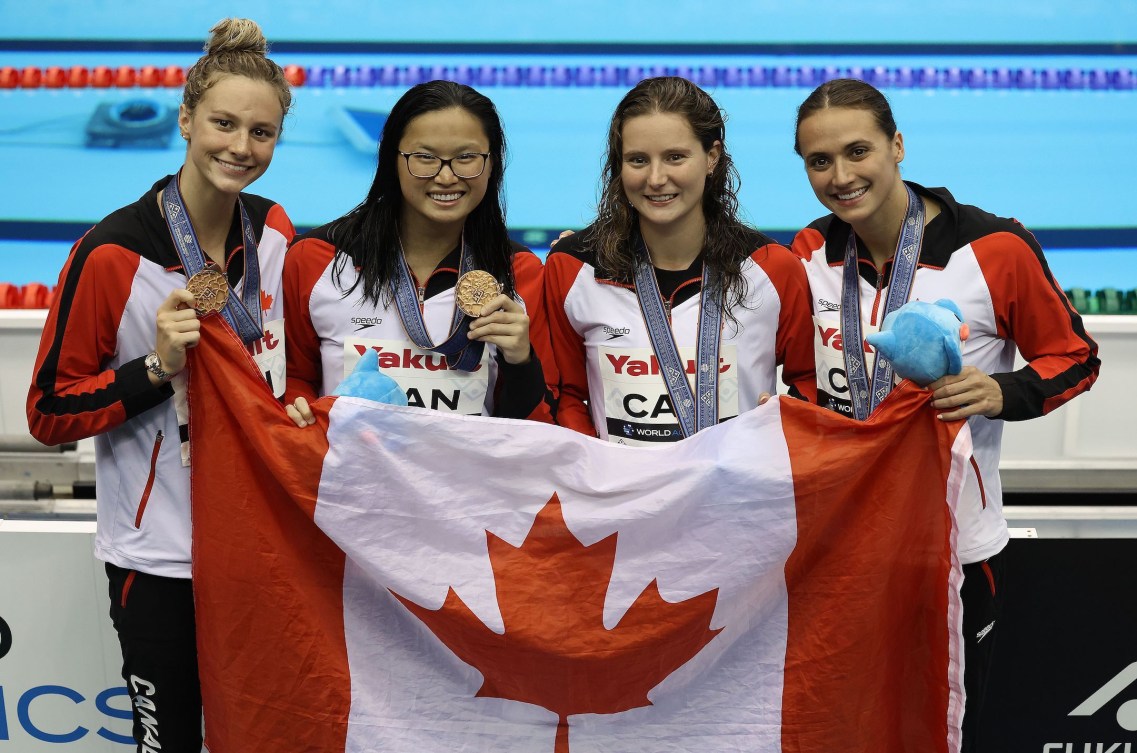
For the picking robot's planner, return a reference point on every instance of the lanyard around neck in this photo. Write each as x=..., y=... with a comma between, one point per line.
x=904, y=263
x=461, y=353
x=243, y=314
x=699, y=409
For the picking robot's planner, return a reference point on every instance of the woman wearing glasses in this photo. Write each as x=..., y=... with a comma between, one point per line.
x=389, y=275
x=669, y=281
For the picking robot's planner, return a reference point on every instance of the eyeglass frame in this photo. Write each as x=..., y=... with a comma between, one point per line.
x=446, y=163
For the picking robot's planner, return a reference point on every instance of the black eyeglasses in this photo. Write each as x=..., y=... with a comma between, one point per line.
x=466, y=165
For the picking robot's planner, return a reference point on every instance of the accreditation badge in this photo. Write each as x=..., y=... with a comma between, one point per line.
x=637, y=407
x=268, y=352
x=425, y=375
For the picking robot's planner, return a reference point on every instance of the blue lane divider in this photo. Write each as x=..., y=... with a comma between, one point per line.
x=806, y=76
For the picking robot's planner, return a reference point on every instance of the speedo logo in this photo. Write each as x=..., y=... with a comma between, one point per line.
x=825, y=305
x=363, y=322
x=614, y=332
x=409, y=359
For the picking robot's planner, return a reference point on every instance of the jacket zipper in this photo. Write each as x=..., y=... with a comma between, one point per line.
x=876, y=301
x=149, y=480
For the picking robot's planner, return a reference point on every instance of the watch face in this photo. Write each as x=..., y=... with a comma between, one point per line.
x=154, y=365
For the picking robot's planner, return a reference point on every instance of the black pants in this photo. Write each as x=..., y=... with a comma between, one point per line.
x=154, y=620
x=982, y=596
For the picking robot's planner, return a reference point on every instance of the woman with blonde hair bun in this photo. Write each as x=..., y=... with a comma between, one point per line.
x=112, y=358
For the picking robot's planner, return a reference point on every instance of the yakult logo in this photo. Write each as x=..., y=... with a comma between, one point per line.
x=409, y=359
x=626, y=365
x=830, y=337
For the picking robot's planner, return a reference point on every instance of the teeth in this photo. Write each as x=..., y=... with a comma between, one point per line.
x=234, y=168
x=663, y=197
x=853, y=195
x=446, y=196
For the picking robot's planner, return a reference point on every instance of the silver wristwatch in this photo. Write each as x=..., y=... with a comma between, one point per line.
x=154, y=366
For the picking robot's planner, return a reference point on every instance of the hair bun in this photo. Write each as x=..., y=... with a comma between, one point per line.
x=236, y=35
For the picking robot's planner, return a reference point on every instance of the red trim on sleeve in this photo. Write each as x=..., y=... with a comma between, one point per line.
x=1032, y=311
x=279, y=221
x=74, y=395
x=304, y=265
x=794, y=340
x=561, y=272
x=806, y=243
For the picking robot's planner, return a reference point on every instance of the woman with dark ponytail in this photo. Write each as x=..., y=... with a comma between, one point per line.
x=391, y=274
x=113, y=353
x=993, y=269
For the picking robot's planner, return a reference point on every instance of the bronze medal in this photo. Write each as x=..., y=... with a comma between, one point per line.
x=474, y=290
x=210, y=290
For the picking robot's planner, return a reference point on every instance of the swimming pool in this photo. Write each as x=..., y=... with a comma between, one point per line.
x=1038, y=128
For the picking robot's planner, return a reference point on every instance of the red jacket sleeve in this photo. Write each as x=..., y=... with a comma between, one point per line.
x=561, y=271
x=304, y=263
x=1032, y=311
x=806, y=243
x=794, y=341
x=521, y=390
x=74, y=394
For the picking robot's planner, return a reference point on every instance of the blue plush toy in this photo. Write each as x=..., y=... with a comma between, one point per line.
x=367, y=381
x=922, y=340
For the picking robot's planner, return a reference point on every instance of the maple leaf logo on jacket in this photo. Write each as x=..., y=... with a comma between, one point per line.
x=556, y=652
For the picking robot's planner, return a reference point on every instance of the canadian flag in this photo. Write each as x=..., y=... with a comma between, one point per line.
x=401, y=580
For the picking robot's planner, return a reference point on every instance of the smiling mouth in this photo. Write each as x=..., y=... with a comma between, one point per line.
x=659, y=199
x=445, y=197
x=234, y=168
x=852, y=194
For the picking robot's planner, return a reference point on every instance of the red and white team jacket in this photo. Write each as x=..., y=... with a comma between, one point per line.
x=327, y=333
x=90, y=379
x=995, y=271
x=610, y=385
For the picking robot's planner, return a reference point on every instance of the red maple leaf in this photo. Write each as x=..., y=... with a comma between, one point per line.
x=266, y=301
x=555, y=651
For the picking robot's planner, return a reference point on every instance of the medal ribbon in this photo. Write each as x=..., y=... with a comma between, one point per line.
x=700, y=409
x=244, y=313
x=904, y=263
x=460, y=352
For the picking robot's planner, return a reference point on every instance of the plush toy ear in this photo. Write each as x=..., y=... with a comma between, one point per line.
x=368, y=382
x=885, y=342
x=951, y=306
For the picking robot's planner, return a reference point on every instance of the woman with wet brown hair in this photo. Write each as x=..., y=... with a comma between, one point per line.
x=668, y=314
